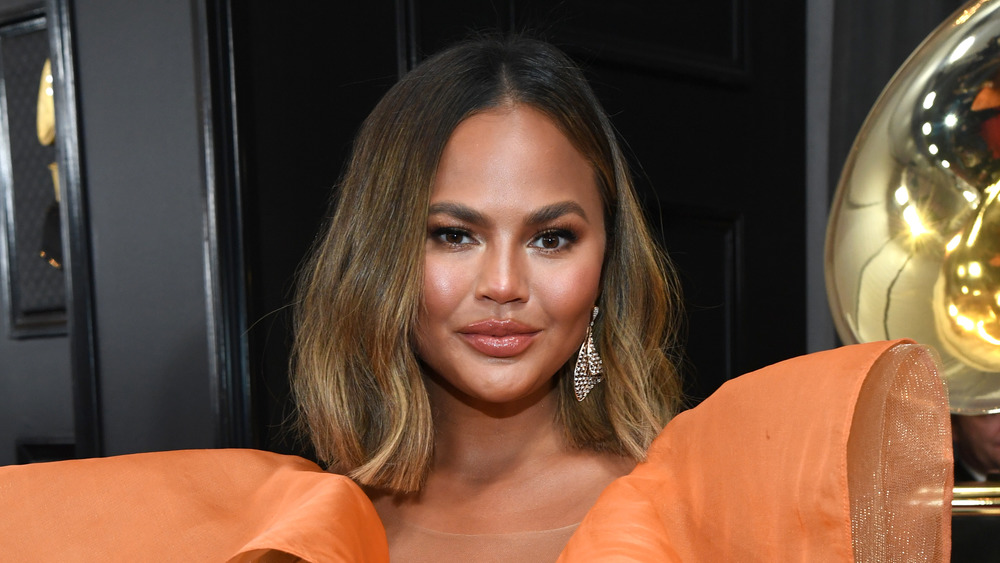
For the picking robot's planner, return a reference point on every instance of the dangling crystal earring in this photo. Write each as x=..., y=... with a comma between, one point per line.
x=589, y=369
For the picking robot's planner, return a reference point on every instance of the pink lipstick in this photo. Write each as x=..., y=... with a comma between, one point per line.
x=499, y=338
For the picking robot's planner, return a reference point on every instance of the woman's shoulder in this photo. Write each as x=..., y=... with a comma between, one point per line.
x=192, y=504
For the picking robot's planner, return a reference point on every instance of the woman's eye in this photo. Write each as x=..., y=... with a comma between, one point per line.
x=553, y=240
x=453, y=237
x=549, y=241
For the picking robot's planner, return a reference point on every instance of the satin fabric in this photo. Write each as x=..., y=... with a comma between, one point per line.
x=757, y=472
x=197, y=505
x=760, y=471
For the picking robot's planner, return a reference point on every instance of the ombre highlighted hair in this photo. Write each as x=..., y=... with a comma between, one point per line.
x=355, y=374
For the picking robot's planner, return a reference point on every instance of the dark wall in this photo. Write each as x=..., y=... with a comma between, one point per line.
x=142, y=153
x=35, y=393
x=305, y=79
x=35, y=387
x=140, y=103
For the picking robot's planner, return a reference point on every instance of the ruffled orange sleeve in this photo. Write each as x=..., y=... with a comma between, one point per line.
x=835, y=456
x=221, y=505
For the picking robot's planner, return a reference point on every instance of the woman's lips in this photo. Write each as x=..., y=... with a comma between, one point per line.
x=499, y=346
x=499, y=338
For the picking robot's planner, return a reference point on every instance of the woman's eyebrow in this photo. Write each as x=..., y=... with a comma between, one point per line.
x=458, y=211
x=537, y=217
x=555, y=211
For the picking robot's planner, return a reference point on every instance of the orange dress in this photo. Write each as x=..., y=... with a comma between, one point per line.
x=836, y=456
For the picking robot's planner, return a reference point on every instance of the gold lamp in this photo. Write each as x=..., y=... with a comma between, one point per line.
x=913, y=242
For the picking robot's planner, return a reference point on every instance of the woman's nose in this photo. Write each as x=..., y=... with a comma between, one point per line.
x=502, y=277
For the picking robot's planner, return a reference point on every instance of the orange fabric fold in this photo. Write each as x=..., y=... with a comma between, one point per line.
x=185, y=506
x=760, y=470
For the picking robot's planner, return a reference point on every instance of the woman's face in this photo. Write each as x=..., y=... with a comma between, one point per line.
x=515, y=243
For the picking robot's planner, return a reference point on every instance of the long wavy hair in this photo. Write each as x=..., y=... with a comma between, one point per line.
x=355, y=374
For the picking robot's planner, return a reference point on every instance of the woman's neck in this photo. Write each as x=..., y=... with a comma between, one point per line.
x=501, y=469
x=503, y=477
x=476, y=442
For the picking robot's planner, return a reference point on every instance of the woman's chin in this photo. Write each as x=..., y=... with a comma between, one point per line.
x=503, y=395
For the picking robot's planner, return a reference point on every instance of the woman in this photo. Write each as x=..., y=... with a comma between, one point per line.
x=483, y=345
x=508, y=233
